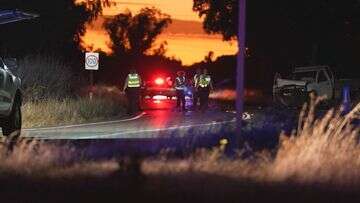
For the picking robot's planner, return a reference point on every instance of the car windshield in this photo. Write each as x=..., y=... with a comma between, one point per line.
x=309, y=76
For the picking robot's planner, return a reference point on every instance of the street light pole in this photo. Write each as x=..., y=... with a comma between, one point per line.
x=240, y=72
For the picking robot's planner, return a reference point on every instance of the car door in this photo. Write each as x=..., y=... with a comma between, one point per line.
x=3, y=103
x=324, y=84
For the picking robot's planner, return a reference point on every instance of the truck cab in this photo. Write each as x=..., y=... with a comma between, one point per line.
x=295, y=90
x=320, y=80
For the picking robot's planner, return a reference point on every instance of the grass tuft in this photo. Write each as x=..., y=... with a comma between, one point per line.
x=53, y=112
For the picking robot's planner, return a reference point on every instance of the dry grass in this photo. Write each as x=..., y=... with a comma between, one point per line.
x=107, y=103
x=55, y=112
x=46, y=76
x=35, y=159
x=325, y=151
x=322, y=151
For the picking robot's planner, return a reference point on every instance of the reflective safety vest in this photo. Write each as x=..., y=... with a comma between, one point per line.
x=196, y=79
x=133, y=80
x=204, y=80
x=180, y=83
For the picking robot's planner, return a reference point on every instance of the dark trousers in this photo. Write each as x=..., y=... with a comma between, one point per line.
x=180, y=99
x=196, y=99
x=204, y=93
x=133, y=97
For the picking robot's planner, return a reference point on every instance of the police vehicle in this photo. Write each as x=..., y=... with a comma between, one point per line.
x=158, y=91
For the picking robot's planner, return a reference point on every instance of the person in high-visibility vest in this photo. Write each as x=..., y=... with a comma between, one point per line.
x=204, y=86
x=132, y=89
x=195, y=90
x=180, y=85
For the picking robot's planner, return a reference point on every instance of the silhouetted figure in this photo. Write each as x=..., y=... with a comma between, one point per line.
x=180, y=84
x=132, y=89
x=204, y=86
x=195, y=90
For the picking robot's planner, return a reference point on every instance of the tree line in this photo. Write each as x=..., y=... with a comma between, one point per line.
x=282, y=34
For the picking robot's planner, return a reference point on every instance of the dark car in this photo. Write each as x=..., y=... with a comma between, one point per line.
x=158, y=91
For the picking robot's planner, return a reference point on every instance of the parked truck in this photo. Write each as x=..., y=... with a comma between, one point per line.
x=317, y=80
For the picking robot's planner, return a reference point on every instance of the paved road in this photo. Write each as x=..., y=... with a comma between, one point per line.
x=150, y=124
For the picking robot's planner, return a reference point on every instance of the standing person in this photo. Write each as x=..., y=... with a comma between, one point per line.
x=180, y=84
x=204, y=87
x=195, y=90
x=132, y=89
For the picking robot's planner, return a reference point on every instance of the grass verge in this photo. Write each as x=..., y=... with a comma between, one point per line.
x=319, y=162
x=54, y=112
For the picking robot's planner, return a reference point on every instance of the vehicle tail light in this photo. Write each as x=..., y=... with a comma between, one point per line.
x=159, y=81
x=160, y=97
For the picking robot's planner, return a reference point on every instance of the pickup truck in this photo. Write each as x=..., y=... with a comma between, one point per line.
x=318, y=80
x=10, y=98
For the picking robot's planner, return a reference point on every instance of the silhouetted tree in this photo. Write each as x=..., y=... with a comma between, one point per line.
x=288, y=32
x=209, y=58
x=133, y=35
x=161, y=50
x=58, y=29
x=220, y=16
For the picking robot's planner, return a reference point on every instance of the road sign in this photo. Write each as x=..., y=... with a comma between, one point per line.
x=92, y=61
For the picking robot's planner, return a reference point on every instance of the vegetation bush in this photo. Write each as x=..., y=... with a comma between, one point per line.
x=53, y=95
x=45, y=76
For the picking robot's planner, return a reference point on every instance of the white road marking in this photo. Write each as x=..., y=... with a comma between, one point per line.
x=112, y=135
x=86, y=124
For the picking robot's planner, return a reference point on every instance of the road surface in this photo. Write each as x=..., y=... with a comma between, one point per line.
x=149, y=124
x=148, y=133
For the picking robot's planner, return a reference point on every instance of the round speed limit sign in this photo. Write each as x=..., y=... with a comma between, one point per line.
x=92, y=61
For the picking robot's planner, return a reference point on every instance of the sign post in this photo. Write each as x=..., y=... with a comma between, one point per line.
x=91, y=64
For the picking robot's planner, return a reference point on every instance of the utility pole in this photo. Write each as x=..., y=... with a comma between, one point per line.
x=238, y=139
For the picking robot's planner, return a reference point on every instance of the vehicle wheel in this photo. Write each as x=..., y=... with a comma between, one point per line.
x=282, y=101
x=12, y=124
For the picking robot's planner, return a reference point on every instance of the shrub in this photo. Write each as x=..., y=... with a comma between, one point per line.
x=44, y=77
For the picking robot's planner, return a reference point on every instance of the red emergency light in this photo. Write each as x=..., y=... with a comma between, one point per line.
x=159, y=81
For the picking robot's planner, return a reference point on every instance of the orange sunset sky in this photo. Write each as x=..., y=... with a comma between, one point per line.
x=185, y=37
